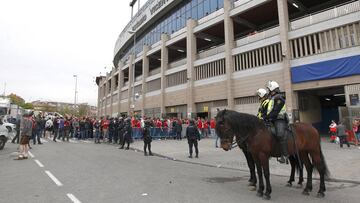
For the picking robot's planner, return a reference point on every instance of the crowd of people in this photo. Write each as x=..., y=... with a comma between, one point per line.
x=119, y=130
x=339, y=133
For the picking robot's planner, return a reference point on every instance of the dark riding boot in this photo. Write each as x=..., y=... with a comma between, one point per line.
x=284, y=152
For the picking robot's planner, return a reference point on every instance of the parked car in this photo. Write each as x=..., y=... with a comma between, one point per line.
x=4, y=135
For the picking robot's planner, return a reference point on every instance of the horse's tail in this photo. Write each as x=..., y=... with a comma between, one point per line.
x=324, y=166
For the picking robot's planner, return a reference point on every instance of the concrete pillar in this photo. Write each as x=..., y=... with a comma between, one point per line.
x=99, y=100
x=112, y=89
x=291, y=97
x=229, y=45
x=190, y=58
x=120, y=65
x=106, y=94
x=164, y=67
x=145, y=70
x=131, y=81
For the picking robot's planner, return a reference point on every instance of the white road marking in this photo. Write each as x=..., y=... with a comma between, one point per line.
x=144, y=194
x=31, y=155
x=52, y=177
x=73, y=198
x=39, y=163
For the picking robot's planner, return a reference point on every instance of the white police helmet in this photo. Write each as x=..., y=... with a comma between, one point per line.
x=272, y=85
x=261, y=92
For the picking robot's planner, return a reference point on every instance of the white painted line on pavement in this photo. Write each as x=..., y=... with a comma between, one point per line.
x=39, y=163
x=57, y=182
x=31, y=155
x=73, y=198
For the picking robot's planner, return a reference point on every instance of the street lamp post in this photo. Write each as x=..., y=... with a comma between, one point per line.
x=75, y=76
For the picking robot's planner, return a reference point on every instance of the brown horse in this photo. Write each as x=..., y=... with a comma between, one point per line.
x=252, y=133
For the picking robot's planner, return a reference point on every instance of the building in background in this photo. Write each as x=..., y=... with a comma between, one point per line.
x=65, y=108
x=194, y=56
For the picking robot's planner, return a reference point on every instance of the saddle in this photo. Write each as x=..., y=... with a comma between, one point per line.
x=289, y=133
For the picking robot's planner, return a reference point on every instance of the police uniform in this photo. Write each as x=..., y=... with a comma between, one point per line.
x=276, y=113
x=193, y=136
x=147, y=139
x=262, y=112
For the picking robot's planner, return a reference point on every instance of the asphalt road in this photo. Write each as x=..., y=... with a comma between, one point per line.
x=86, y=172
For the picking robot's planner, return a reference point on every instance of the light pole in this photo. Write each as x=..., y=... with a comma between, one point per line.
x=133, y=76
x=75, y=76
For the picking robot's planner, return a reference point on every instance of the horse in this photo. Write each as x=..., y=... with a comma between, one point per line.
x=252, y=134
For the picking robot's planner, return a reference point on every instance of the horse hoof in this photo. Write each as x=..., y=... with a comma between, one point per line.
x=320, y=195
x=289, y=184
x=305, y=192
x=259, y=194
x=267, y=197
x=252, y=188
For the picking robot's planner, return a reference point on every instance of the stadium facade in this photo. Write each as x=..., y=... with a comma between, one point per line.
x=192, y=57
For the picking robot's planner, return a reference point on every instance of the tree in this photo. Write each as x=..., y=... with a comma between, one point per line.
x=15, y=99
x=83, y=110
x=28, y=106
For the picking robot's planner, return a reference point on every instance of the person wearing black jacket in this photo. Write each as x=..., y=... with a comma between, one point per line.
x=193, y=135
x=127, y=134
x=120, y=131
x=147, y=138
x=17, y=137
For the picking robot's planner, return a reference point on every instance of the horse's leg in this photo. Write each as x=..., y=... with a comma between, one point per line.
x=265, y=165
x=260, y=191
x=309, y=167
x=251, y=165
x=319, y=163
x=292, y=174
x=301, y=175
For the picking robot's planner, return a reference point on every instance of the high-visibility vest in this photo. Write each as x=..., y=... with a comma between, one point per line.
x=282, y=112
x=263, y=105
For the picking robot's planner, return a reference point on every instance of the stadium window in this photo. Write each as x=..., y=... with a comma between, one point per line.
x=220, y=4
x=206, y=7
x=213, y=5
x=200, y=10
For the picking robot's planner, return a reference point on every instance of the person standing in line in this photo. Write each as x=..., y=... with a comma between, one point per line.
x=26, y=127
x=55, y=128
x=48, y=127
x=355, y=128
x=178, y=129
x=97, y=131
x=332, y=130
x=17, y=136
x=147, y=138
x=193, y=135
x=200, y=126
x=61, y=128
x=66, y=130
x=341, y=133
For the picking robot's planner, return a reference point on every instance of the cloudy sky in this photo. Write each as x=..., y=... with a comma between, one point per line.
x=43, y=43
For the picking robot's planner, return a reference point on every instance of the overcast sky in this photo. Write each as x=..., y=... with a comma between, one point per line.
x=43, y=43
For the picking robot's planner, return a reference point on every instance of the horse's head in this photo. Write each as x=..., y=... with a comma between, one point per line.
x=224, y=130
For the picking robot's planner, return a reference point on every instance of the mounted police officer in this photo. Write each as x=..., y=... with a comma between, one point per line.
x=276, y=113
x=264, y=102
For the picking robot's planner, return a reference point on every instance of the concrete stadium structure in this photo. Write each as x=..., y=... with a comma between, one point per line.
x=194, y=56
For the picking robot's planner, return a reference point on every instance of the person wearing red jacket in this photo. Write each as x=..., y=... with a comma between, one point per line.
x=199, y=126
x=165, y=128
x=213, y=132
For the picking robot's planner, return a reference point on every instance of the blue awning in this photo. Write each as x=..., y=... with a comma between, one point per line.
x=336, y=68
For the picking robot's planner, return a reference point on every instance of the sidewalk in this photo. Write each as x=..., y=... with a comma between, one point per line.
x=343, y=163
